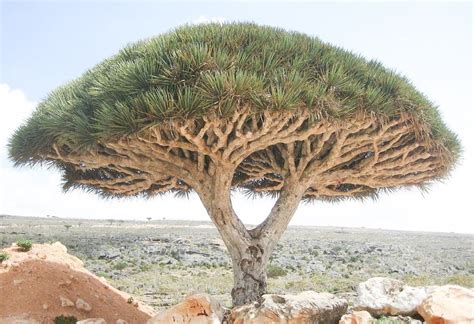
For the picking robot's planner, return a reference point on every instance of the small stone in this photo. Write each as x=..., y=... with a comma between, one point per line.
x=92, y=321
x=16, y=282
x=121, y=321
x=357, y=317
x=65, y=283
x=81, y=304
x=41, y=255
x=18, y=320
x=45, y=306
x=65, y=302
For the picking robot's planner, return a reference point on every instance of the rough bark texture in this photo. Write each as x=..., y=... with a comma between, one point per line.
x=250, y=250
x=284, y=153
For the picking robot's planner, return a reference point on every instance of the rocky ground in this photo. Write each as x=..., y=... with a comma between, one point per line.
x=162, y=261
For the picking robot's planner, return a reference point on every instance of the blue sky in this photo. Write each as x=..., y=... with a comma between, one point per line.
x=44, y=44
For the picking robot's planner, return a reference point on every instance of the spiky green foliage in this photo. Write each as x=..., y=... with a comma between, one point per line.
x=24, y=245
x=3, y=256
x=195, y=69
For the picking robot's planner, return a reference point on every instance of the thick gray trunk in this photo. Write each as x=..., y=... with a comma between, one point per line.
x=250, y=276
x=249, y=250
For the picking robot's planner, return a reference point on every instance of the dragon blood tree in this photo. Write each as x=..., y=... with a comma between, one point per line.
x=215, y=108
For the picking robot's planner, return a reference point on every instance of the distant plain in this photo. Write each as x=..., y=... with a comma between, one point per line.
x=162, y=261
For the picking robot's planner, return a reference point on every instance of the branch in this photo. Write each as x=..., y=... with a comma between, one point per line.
x=271, y=229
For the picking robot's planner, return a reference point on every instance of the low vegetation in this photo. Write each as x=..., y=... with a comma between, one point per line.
x=24, y=245
x=65, y=320
x=274, y=271
x=120, y=265
x=3, y=256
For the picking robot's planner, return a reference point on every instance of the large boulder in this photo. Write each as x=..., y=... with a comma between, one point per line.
x=306, y=307
x=385, y=296
x=46, y=282
x=448, y=305
x=195, y=309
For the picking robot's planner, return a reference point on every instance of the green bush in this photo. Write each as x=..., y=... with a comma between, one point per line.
x=120, y=265
x=24, y=245
x=3, y=256
x=65, y=320
x=386, y=320
x=274, y=271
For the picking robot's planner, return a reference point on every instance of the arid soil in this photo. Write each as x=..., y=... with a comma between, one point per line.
x=46, y=282
x=160, y=262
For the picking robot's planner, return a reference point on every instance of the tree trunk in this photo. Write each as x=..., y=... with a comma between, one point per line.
x=250, y=276
x=250, y=250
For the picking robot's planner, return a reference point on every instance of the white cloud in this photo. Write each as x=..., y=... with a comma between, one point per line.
x=15, y=108
x=206, y=20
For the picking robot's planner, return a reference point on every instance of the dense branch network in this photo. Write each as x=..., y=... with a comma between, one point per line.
x=331, y=159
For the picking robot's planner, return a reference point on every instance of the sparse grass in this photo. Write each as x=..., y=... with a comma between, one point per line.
x=354, y=259
x=3, y=256
x=120, y=265
x=145, y=267
x=102, y=274
x=465, y=280
x=386, y=320
x=24, y=245
x=65, y=320
x=175, y=254
x=274, y=271
x=173, y=284
x=314, y=282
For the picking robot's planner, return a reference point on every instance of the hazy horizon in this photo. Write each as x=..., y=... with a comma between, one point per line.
x=152, y=221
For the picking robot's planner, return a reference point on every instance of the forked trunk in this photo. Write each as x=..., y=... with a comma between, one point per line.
x=250, y=250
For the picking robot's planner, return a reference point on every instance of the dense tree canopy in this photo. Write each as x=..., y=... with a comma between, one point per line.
x=204, y=70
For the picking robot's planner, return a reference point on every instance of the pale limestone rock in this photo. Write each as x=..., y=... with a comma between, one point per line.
x=448, y=304
x=357, y=317
x=65, y=302
x=65, y=283
x=121, y=321
x=92, y=321
x=385, y=296
x=306, y=307
x=81, y=304
x=195, y=309
x=21, y=319
x=17, y=282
